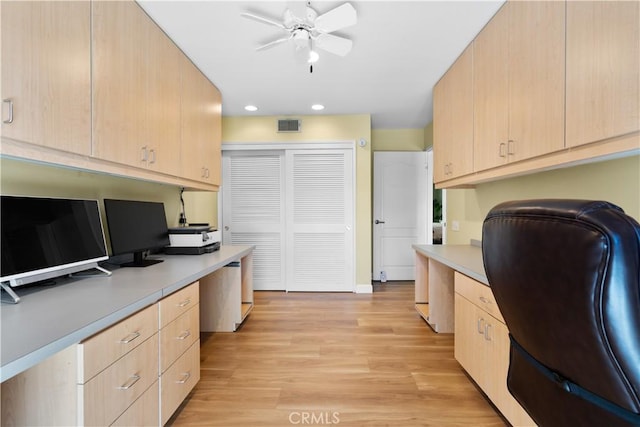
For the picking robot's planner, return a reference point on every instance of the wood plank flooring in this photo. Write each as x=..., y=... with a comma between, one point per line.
x=333, y=359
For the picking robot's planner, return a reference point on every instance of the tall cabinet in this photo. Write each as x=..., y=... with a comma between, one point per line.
x=46, y=74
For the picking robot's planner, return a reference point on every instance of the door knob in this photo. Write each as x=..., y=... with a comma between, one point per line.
x=377, y=221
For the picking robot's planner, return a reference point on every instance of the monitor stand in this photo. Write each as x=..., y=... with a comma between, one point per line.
x=139, y=260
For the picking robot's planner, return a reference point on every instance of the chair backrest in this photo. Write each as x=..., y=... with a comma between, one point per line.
x=566, y=277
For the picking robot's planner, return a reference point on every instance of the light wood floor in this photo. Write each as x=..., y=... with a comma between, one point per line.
x=333, y=359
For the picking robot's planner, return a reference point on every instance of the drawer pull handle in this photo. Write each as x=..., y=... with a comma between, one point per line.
x=9, y=102
x=481, y=325
x=132, y=336
x=184, y=335
x=185, y=302
x=487, y=328
x=185, y=378
x=484, y=300
x=126, y=386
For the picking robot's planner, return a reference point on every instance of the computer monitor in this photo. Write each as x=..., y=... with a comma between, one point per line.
x=43, y=238
x=136, y=227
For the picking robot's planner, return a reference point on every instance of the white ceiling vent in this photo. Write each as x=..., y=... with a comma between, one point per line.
x=289, y=125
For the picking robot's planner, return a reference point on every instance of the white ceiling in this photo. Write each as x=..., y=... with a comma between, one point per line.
x=400, y=50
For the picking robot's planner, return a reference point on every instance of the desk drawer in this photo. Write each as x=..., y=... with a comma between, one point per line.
x=179, y=302
x=104, y=348
x=478, y=293
x=144, y=412
x=106, y=396
x=179, y=380
x=178, y=336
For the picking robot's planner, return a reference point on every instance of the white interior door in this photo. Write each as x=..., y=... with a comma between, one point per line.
x=253, y=206
x=320, y=215
x=399, y=193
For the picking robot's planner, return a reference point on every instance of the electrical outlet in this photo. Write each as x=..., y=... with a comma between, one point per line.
x=455, y=226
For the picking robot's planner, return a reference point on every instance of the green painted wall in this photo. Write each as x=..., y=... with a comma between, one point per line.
x=616, y=181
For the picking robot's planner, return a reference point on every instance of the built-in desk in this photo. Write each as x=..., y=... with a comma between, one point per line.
x=453, y=296
x=44, y=336
x=48, y=320
x=434, y=287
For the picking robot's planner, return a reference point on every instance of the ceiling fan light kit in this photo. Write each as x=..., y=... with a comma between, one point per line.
x=313, y=30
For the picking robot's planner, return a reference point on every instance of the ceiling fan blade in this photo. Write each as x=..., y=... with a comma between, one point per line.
x=273, y=43
x=341, y=17
x=334, y=44
x=263, y=20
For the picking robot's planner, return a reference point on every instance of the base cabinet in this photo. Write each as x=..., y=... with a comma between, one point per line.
x=136, y=372
x=482, y=346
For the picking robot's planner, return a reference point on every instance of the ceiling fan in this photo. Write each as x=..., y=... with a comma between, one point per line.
x=313, y=30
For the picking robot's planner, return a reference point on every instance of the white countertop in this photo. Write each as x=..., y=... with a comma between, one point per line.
x=49, y=319
x=467, y=259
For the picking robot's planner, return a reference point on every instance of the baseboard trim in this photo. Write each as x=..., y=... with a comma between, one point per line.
x=364, y=289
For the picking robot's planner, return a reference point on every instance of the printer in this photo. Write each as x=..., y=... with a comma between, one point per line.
x=192, y=240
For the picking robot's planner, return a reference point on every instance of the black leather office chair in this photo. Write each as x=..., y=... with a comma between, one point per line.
x=566, y=277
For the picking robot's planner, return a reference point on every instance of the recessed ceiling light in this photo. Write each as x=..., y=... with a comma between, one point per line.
x=251, y=108
x=317, y=107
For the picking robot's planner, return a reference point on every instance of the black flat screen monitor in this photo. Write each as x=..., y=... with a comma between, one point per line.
x=136, y=227
x=43, y=238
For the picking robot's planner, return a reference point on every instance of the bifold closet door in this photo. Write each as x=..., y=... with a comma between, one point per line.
x=319, y=220
x=253, y=212
x=297, y=208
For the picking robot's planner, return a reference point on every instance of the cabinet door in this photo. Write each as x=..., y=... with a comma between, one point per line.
x=201, y=126
x=490, y=93
x=468, y=346
x=453, y=120
x=46, y=73
x=603, y=70
x=163, y=105
x=120, y=75
x=536, y=78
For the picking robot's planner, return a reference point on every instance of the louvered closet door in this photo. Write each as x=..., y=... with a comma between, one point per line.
x=254, y=212
x=319, y=231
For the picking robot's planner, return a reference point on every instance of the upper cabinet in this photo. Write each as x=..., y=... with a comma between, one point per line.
x=101, y=86
x=453, y=120
x=491, y=92
x=201, y=126
x=603, y=70
x=163, y=103
x=46, y=74
x=553, y=84
x=136, y=83
x=536, y=78
x=119, y=82
x=518, y=84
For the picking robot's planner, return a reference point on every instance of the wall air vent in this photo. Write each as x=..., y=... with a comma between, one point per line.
x=289, y=125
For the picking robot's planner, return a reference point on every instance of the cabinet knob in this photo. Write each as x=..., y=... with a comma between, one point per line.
x=511, y=147
x=502, y=150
